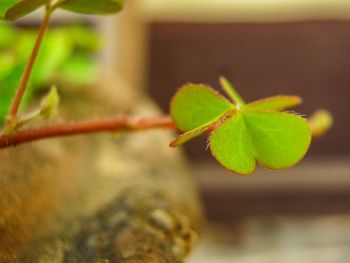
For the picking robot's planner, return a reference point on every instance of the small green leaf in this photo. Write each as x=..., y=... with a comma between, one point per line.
x=196, y=105
x=232, y=147
x=276, y=140
x=98, y=7
x=23, y=7
x=185, y=137
x=49, y=104
x=277, y=103
x=280, y=139
x=48, y=109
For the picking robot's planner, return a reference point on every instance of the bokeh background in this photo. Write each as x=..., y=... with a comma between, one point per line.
x=265, y=47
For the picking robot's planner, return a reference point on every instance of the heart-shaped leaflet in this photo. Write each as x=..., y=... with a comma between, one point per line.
x=242, y=134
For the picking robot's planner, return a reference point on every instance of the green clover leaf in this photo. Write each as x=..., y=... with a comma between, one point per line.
x=195, y=105
x=242, y=134
x=277, y=140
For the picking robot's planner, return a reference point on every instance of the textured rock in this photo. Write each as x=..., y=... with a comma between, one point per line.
x=100, y=198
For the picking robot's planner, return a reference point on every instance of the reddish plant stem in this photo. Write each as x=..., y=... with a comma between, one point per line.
x=28, y=70
x=85, y=127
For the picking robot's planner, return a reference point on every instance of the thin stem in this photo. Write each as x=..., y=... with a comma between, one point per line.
x=85, y=127
x=231, y=92
x=29, y=68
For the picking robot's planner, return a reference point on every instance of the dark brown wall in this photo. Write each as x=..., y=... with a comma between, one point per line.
x=311, y=59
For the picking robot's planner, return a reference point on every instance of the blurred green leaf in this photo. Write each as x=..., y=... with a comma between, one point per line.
x=81, y=70
x=24, y=44
x=63, y=56
x=320, y=122
x=5, y=5
x=99, y=7
x=14, y=9
x=8, y=34
x=49, y=104
x=48, y=109
x=7, y=63
x=54, y=53
x=8, y=86
x=83, y=39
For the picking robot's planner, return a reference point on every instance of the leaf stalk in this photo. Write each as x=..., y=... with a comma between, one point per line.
x=16, y=102
x=85, y=127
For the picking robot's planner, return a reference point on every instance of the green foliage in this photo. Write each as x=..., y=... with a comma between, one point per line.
x=185, y=137
x=57, y=47
x=275, y=103
x=242, y=134
x=22, y=8
x=6, y=30
x=83, y=39
x=70, y=61
x=48, y=109
x=49, y=104
x=14, y=9
x=80, y=71
x=276, y=140
x=5, y=5
x=97, y=7
x=8, y=84
x=320, y=121
x=197, y=105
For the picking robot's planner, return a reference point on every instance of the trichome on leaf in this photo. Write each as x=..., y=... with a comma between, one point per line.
x=242, y=134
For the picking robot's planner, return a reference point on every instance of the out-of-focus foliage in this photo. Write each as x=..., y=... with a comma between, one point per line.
x=321, y=121
x=99, y=7
x=14, y=9
x=66, y=56
x=5, y=5
x=49, y=104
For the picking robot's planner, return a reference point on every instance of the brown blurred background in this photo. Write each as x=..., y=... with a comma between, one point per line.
x=265, y=48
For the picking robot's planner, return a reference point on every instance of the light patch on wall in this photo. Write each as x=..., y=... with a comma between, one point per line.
x=243, y=10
